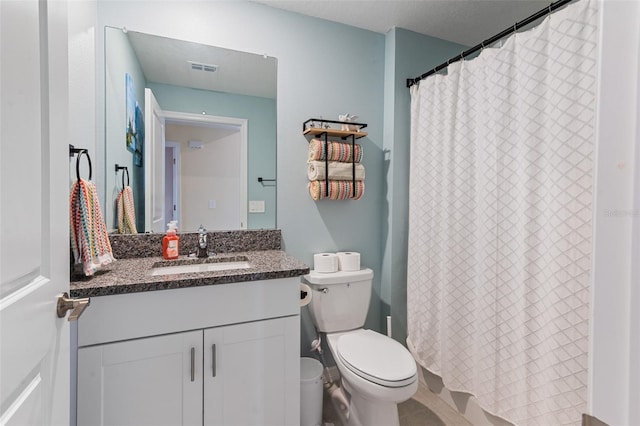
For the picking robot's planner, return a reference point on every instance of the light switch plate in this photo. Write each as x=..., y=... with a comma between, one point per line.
x=212, y=204
x=256, y=206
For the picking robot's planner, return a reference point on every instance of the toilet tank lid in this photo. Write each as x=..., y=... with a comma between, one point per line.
x=340, y=277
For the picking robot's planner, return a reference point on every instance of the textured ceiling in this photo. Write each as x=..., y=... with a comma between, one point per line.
x=168, y=61
x=467, y=22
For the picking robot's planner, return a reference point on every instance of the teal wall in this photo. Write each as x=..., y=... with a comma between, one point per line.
x=408, y=55
x=324, y=69
x=261, y=116
x=121, y=60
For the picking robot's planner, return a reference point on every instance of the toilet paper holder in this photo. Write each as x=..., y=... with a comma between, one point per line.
x=305, y=295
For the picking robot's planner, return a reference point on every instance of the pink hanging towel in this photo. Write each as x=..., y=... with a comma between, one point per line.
x=89, y=240
x=126, y=212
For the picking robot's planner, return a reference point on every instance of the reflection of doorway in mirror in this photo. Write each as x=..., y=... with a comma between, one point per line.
x=172, y=181
x=212, y=173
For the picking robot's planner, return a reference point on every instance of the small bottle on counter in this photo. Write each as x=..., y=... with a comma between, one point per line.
x=171, y=242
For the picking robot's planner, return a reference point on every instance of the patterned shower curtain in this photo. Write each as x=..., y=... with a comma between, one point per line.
x=500, y=226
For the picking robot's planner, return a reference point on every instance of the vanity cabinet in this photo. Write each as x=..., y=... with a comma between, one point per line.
x=247, y=372
x=213, y=355
x=141, y=382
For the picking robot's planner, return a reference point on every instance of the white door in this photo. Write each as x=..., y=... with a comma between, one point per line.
x=153, y=164
x=153, y=381
x=251, y=373
x=172, y=181
x=34, y=211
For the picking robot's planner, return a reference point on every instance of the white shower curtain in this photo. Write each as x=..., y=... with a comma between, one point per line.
x=500, y=221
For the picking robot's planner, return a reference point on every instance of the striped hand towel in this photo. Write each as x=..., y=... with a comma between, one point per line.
x=335, y=151
x=338, y=189
x=337, y=171
x=89, y=240
x=126, y=212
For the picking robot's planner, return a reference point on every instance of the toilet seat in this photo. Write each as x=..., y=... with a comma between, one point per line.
x=377, y=358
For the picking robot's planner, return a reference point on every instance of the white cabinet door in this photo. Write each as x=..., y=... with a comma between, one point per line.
x=151, y=381
x=252, y=373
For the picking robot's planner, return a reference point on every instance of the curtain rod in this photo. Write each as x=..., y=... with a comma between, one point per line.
x=546, y=11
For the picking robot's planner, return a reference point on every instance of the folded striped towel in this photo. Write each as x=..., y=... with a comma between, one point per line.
x=89, y=239
x=335, y=151
x=337, y=171
x=126, y=212
x=338, y=189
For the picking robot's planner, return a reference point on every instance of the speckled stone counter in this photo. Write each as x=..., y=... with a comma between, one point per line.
x=134, y=275
x=137, y=255
x=149, y=245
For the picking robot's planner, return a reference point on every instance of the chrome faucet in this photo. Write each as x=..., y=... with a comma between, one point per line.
x=202, y=250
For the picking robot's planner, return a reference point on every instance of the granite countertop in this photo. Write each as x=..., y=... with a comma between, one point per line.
x=134, y=275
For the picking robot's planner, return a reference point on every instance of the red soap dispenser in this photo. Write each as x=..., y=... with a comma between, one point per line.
x=170, y=243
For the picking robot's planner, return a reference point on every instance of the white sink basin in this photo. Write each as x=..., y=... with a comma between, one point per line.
x=199, y=267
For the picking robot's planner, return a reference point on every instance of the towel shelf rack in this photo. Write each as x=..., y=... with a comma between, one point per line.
x=322, y=128
x=316, y=127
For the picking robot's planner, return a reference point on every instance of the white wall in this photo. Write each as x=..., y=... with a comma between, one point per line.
x=82, y=81
x=615, y=354
x=209, y=173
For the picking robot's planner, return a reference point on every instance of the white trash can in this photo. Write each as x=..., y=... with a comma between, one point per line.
x=311, y=382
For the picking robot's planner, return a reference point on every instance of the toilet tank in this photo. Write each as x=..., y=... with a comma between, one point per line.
x=339, y=300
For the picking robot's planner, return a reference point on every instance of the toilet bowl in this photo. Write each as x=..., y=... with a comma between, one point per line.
x=376, y=372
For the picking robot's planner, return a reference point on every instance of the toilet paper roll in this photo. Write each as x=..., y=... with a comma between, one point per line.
x=325, y=262
x=305, y=295
x=348, y=260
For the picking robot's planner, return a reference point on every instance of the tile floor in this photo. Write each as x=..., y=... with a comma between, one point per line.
x=424, y=409
x=413, y=413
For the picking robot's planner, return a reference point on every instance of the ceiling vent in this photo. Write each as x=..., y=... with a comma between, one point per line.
x=196, y=66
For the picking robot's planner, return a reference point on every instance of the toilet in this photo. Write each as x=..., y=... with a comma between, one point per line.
x=377, y=372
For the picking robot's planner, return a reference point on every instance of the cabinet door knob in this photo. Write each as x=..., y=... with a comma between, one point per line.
x=76, y=306
x=213, y=359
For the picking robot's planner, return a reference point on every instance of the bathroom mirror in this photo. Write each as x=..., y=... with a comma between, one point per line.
x=206, y=153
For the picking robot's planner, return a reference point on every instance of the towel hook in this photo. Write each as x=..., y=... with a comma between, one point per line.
x=86, y=153
x=126, y=169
